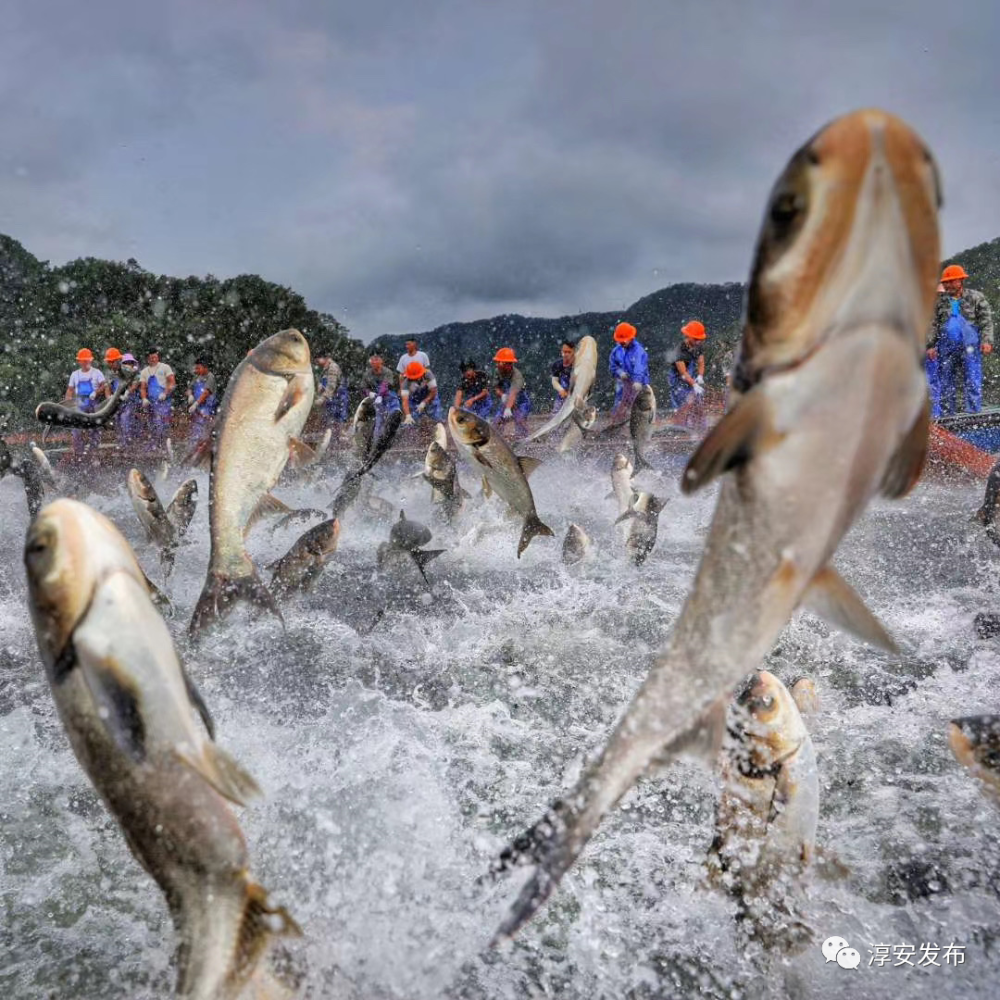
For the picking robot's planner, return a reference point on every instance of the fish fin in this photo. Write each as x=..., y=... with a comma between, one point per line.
x=221, y=593
x=528, y=465
x=731, y=442
x=836, y=601
x=624, y=517
x=267, y=506
x=424, y=556
x=300, y=454
x=199, y=703
x=827, y=866
x=117, y=704
x=610, y=496
x=221, y=772
x=487, y=489
x=293, y=394
x=464, y=493
x=907, y=463
x=532, y=526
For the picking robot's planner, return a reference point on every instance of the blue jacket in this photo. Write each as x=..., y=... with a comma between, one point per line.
x=631, y=359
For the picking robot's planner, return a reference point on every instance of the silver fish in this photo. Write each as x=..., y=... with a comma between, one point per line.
x=129, y=710
x=64, y=415
x=265, y=407
x=580, y=384
x=642, y=518
x=621, y=483
x=363, y=428
x=829, y=408
x=302, y=565
x=164, y=526
x=505, y=473
x=641, y=421
x=768, y=811
x=442, y=474
x=576, y=545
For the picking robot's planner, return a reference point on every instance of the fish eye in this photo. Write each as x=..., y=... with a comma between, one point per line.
x=767, y=701
x=785, y=208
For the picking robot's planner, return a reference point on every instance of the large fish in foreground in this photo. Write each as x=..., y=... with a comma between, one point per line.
x=829, y=408
x=768, y=811
x=581, y=381
x=505, y=473
x=129, y=710
x=265, y=407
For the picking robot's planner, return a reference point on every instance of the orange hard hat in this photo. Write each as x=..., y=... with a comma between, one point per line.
x=624, y=333
x=505, y=356
x=414, y=370
x=84, y=354
x=112, y=354
x=694, y=330
x=953, y=272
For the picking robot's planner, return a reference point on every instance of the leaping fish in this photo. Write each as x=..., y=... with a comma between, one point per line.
x=829, y=408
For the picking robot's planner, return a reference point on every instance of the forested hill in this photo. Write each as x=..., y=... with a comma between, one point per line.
x=658, y=318
x=48, y=313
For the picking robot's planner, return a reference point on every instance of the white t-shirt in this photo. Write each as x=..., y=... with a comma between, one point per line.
x=405, y=359
x=160, y=370
x=94, y=377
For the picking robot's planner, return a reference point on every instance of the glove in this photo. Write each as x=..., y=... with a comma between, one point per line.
x=192, y=408
x=508, y=413
x=699, y=390
x=408, y=420
x=145, y=401
x=421, y=407
x=377, y=400
x=162, y=398
x=190, y=398
x=624, y=376
x=700, y=380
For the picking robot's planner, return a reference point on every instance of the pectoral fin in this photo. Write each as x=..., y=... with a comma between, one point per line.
x=744, y=430
x=293, y=394
x=300, y=455
x=199, y=703
x=221, y=772
x=487, y=489
x=904, y=470
x=835, y=601
x=267, y=506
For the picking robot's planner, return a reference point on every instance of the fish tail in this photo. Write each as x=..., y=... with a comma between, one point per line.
x=640, y=462
x=221, y=593
x=532, y=526
x=214, y=964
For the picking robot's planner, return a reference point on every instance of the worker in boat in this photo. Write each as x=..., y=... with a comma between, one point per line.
x=687, y=370
x=629, y=367
x=961, y=332
x=332, y=395
x=202, y=402
x=562, y=372
x=419, y=394
x=377, y=383
x=84, y=388
x=411, y=354
x=473, y=392
x=156, y=386
x=513, y=401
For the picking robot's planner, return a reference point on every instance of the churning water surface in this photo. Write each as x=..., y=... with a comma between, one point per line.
x=398, y=760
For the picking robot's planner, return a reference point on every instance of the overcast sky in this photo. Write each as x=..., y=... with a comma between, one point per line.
x=404, y=164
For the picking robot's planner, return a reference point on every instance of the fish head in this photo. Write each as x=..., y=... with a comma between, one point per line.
x=621, y=463
x=467, y=428
x=286, y=353
x=68, y=550
x=437, y=461
x=849, y=238
x=441, y=436
x=764, y=723
x=645, y=401
x=140, y=488
x=323, y=539
x=975, y=742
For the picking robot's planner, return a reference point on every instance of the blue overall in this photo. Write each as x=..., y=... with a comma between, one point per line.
x=335, y=406
x=386, y=401
x=959, y=357
x=521, y=409
x=484, y=407
x=126, y=419
x=631, y=360
x=563, y=375
x=418, y=393
x=86, y=402
x=159, y=413
x=200, y=422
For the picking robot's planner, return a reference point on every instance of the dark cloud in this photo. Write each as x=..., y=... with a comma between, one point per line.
x=406, y=165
